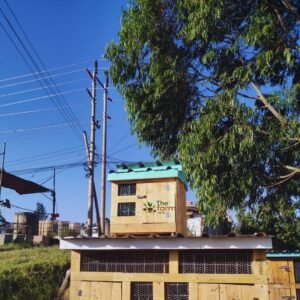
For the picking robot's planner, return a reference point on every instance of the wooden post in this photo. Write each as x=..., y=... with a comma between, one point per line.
x=158, y=290
x=94, y=188
x=126, y=290
x=2, y=167
x=173, y=263
x=53, y=195
x=92, y=152
x=103, y=177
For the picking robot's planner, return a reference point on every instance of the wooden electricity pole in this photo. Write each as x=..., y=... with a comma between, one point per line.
x=54, y=195
x=2, y=167
x=103, y=177
x=94, y=189
x=91, y=160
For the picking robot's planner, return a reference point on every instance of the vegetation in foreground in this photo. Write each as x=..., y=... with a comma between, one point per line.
x=31, y=272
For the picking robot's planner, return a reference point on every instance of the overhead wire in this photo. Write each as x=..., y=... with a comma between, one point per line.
x=124, y=148
x=63, y=100
x=36, y=110
x=41, y=98
x=39, y=79
x=51, y=70
x=46, y=155
x=36, y=128
x=38, y=89
x=58, y=101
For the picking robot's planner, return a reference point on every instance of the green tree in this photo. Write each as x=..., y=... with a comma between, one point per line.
x=2, y=219
x=216, y=83
x=41, y=211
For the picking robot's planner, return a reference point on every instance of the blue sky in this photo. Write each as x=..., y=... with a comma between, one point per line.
x=63, y=33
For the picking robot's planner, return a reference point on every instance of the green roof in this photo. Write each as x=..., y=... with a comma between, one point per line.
x=149, y=170
x=283, y=254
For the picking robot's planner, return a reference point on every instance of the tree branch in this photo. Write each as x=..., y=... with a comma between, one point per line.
x=285, y=29
x=263, y=99
x=295, y=169
x=291, y=8
x=284, y=179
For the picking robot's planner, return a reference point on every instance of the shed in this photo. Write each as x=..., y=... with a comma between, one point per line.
x=160, y=267
x=148, y=198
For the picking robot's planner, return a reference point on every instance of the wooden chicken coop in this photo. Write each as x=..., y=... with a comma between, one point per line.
x=148, y=198
x=170, y=268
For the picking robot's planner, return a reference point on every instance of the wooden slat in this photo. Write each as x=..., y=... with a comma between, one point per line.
x=193, y=291
x=126, y=290
x=144, y=277
x=170, y=220
x=80, y=290
x=259, y=257
x=116, y=291
x=173, y=262
x=181, y=221
x=142, y=228
x=208, y=291
x=261, y=291
x=158, y=291
x=75, y=261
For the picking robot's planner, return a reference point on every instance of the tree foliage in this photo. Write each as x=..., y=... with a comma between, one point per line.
x=41, y=211
x=217, y=84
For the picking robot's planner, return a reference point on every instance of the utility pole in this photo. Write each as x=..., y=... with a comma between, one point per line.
x=2, y=168
x=94, y=189
x=53, y=195
x=91, y=161
x=104, y=132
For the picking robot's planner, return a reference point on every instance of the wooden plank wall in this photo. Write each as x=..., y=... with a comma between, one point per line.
x=117, y=286
x=181, y=223
x=281, y=278
x=170, y=191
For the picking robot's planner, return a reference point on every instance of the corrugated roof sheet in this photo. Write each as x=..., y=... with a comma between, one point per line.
x=148, y=170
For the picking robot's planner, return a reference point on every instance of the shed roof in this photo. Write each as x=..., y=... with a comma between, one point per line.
x=169, y=243
x=20, y=185
x=148, y=170
x=284, y=254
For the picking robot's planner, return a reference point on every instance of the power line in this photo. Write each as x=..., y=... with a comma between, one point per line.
x=41, y=98
x=46, y=155
x=38, y=79
x=36, y=111
x=119, y=141
x=124, y=148
x=48, y=168
x=60, y=103
x=58, y=167
x=38, y=89
x=35, y=128
x=49, y=70
x=63, y=101
x=19, y=207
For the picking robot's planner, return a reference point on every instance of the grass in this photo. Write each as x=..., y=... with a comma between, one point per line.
x=31, y=272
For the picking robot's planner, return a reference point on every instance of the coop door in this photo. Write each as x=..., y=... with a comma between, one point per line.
x=281, y=276
x=159, y=205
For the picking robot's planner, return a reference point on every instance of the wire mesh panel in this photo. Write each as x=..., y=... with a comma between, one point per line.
x=126, y=209
x=177, y=291
x=127, y=189
x=298, y=294
x=141, y=291
x=215, y=262
x=125, y=261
